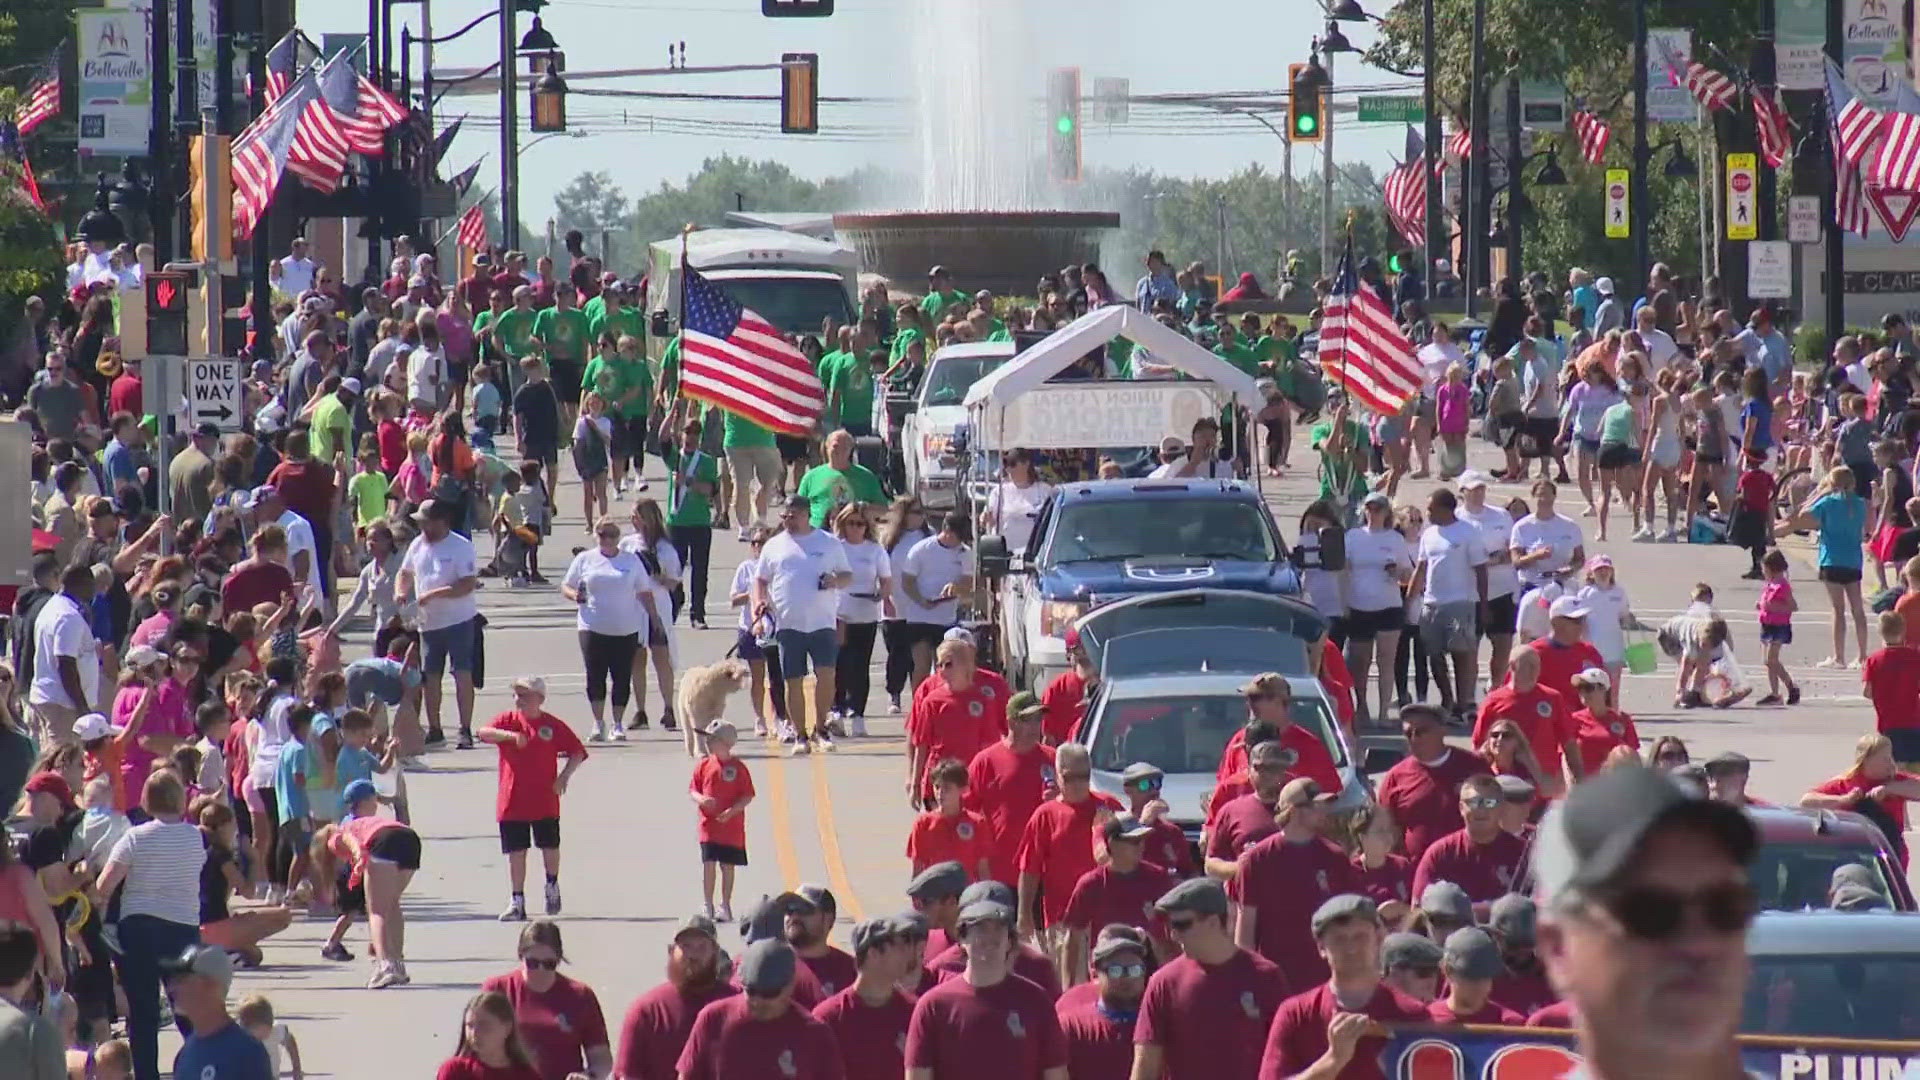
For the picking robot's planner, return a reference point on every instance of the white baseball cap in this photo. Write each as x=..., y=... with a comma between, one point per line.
x=1567, y=607
x=1603, y=286
x=91, y=726
x=1473, y=478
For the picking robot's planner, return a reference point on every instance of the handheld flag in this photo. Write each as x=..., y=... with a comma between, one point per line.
x=1362, y=348
x=736, y=360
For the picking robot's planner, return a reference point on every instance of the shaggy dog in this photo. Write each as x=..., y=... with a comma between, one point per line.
x=702, y=694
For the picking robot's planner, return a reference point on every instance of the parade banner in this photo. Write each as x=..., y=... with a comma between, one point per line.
x=116, y=85
x=1873, y=49
x=1064, y=416
x=1501, y=1053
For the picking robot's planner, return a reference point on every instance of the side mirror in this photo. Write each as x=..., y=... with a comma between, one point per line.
x=1333, y=549
x=995, y=559
x=660, y=324
x=1379, y=759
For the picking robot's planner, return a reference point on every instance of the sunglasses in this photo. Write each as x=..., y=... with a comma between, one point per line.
x=1151, y=783
x=1651, y=913
x=534, y=963
x=1483, y=802
x=1124, y=971
x=1492, y=735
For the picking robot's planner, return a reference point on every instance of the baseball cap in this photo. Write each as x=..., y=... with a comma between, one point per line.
x=1472, y=478
x=819, y=896
x=1593, y=676
x=1024, y=706
x=1515, y=788
x=983, y=911
x=1567, y=607
x=141, y=656
x=697, y=924
x=207, y=431
x=1126, y=827
x=937, y=271
x=938, y=882
x=356, y=791
x=721, y=729
x=91, y=726
x=433, y=508
x=1514, y=917
x=1858, y=898
x=871, y=934
x=1402, y=949
x=1110, y=947
x=1732, y=761
x=1589, y=838
x=1377, y=498
x=997, y=891
x=1272, y=753
x=208, y=960
x=1853, y=873
x=1202, y=896
x=268, y=491
x=1302, y=790
x=1471, y=953
x=1598, y=561
x=1141, y=770
x=958, y=633
x=530, y=683
x=483, y=259
x=51, y=783
x=1266, y=682
x=1071, y=639
x=1603, y=286
x=1447, y=900
x=1344, y=906
x=350, y=384
x=767, y=967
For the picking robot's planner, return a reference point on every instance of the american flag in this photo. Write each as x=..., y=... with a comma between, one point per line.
x=1847, y=115
x=366, y=130
x=319, y=155
x=1406, y=193
x=1460, y=143
x=289, y=56
x=1770, y=121
x=736, y=360
x=442, y=143
x=1708, y=87
x=260, y=153
x=463, y=179
x=472, y=233
x=1897, y=168
x=43, y=95
x=1362, y=348
x=1593, y=134
x=30, y=185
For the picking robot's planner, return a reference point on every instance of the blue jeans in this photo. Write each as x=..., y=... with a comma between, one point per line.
x=144, y=941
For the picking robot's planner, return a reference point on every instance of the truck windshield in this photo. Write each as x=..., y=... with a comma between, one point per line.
x=796, y=305
x=1795, y=877
x=1183, y=734
x=1165, y=528
x=1852, y=996
x=952, y=376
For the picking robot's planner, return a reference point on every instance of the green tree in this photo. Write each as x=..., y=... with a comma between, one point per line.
x=591, y=203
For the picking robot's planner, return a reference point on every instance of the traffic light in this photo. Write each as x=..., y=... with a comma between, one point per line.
x=1063, y=124
x=1306, y=103
x=799, y=93
x=166, y=313
x=796, y=9
x=198, y=194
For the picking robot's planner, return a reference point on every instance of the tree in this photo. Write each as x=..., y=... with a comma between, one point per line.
x=592, y=203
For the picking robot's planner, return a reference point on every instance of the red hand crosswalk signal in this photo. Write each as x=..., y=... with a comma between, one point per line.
x=1063, y=124
x=166, y=313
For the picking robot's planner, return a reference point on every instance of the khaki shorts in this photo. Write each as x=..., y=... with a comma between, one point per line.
x=755, y=464
x=55, y=721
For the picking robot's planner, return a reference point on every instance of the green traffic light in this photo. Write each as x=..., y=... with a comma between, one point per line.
x=1306, y=123
x=1393, y=264
x=1064, y=125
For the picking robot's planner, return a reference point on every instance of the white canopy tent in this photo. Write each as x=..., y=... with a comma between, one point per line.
x=1093, y=330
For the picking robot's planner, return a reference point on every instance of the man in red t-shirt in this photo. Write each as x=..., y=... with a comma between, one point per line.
x=1541, y=713
x=950, y=832
x=1565, y=652
x=531, y=741
x=1057, y=847
x=952, y=718
x=1422, y=790
x=1317, y=1029
x=1891, y=680
x=1166, y=844
x=721, y=789
x=657, y=1023
x=1481, y=858
x=1471, y=961
x=764, y=1032
x=1065, y=697
x=1270, y=700
x=1284, y=879
x=1123, y=891
x=1007, y=782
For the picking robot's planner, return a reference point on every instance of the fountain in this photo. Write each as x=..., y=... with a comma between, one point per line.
x=975, y=79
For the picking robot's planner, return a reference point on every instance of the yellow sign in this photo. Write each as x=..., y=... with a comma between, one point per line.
x=1743, y=197
x=1619, y=224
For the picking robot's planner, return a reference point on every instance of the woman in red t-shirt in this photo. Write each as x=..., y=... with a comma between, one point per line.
x=1598, y=728
x=558, y=1018
x=1874, y=776
x=1386, y=877
x=490, y=1044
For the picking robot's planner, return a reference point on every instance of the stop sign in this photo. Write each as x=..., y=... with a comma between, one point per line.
x=1617, y=191
x=1740, y=182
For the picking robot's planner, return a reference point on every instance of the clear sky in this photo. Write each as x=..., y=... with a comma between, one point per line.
x=865, y=51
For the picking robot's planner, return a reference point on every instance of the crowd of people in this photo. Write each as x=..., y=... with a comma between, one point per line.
x=197, y=733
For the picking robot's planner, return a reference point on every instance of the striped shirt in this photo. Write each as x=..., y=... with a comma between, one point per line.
x=163, y=861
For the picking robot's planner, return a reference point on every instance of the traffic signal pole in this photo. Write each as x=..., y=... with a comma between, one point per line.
x=1326, y=171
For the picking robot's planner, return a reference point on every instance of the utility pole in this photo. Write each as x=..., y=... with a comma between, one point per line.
x=509, y=131
x=1836, y=238
x=1436, y=238
x=1515, y=198
x=160, y=209
x=264, y=330
x=1326, y=172
x=1475, y=196
x=1638, y=191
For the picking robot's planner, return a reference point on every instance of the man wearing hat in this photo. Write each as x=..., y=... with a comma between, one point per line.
x=1422, y=790
x=1008, y=780
x=199, y=979
x=1206, y=1012
x=797, y=582
x=1247, y=819
x=1727, y=775
x=1542, y=713
x=1645, y=902
x=532, y=742
x=440, y=571
x=808, y=930
x=985, y=1021
x=770, y=918
x=1028, y=962
x=1166, y=844
x=1099, y=1028
x=940, y=295
x=1480, y=857
x=1056, y=850
x=1284, y=878
x=1565, y=652
x=956, y=713
x=1121, y=891
x=1066, y=696
x=1503, y=581
x=1471, y=963
x=1518, y=798
x=1522, y=984
x=658, y=1022
x=763, y=1031
x=1335, y=1029
x=935, y=895
x=869, y=1018
x=1411, y=963
x=1270, y=699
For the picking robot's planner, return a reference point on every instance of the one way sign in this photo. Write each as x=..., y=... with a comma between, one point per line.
x=213, y=391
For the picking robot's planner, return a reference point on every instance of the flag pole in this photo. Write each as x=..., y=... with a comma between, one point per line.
x=456, y=221
x=680, y=327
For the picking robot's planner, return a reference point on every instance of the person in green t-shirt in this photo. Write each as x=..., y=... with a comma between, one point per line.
x=1342, y=444
x=851, y=390
x=618, y=316
x=693, y=480
x=512, y=332
x=754, y=461
x=1234, y=350
x=621, y=376
x=562, y=329
x=368, y=489
x=331, y=415
x=941, y=295
x=840, y=482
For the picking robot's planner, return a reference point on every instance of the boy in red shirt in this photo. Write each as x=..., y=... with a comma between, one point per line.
x=950, y=832
x=531, y=741
x=1891, y=680
x=722, y=787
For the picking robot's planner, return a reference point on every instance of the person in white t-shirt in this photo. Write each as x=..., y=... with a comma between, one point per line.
x=746, y=642
x=1546, y=546
x=1451, y=580
x=1015, y=503
x=614, y=597
x=440, y=573
x=931, y=578
x=797, y=583
x=297, y=269
x=1503, y=582
x=1435, y=357
x=427, y=368
x=303, y=555
x=1661, y=348
x=860, y=607
x=1378, y=564
x=66, y=661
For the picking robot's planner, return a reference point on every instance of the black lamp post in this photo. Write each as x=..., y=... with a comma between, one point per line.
x=101, y=225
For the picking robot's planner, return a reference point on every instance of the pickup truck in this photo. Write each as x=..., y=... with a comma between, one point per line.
x=925, y=449
x=1099, y=541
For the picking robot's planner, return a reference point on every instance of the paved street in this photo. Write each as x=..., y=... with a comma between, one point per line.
x=839, y=820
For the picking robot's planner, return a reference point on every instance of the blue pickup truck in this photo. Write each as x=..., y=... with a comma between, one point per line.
x=1098, y=541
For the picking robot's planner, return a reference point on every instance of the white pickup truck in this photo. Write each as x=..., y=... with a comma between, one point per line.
x=926, y=436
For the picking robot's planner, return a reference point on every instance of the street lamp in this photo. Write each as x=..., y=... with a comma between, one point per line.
x=1333, y=41
x=538, y=46
x=550, y=102
x=101, y=226
x=1347, y=11
x=1551, y=175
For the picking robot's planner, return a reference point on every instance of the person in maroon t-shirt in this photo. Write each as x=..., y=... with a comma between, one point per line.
x=1480, y=858
x=559, y=1018
x=1471, y=961
x=773, y=917
x=763, y=1032
x=657, y=1023
x=1248, y=819
x=869, y=1018
x=1412, y=965
x=1335, y=1028
x=935, y=895
x=1122, y=891
x=1205, y=1014
x=1727, y=776
x=807, y=932
x=985, y=1021
x=1007, y=781
x=1028, y=962
x=1166, y=843
x=1423, y=788
x=1099, y=1028
x=1381, y=874
x=1283, y=879
x=1522, y=984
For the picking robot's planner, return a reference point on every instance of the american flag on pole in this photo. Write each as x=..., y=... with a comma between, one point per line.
x=366, y=130
x=472, y=233
x=1362, y=348
x=1848, y=118
x=736, y=360
x=43, y=95
x=1770, y=121
x=289, y=56
x=1593, y=134
x=463, y=179
x=260, y=153
x=1406, y=193
x=1897, y=167
x=1708, y=87
x=319, y=155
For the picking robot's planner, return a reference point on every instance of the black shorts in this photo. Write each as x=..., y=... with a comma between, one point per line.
x=521, y=835
x=1618, y=455
x=1840, y=575
x=792, y=448
x=401, y=846
x=1363, y=625
x=1906, y=745
x=566, y=378
x=724, y=854
x=1543, y=431
x=1510, y=425
x=922, y=633
x=350, y=899
x=1501, y=613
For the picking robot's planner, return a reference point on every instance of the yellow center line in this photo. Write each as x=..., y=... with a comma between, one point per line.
x=778, y=813
x=830, y=843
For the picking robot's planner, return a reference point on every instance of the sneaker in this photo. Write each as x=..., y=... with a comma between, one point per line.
x=465, y=742
x=336, y=953
x=639, y=721
x=742, y=533
x=823, y=741
x=276, y=895
x=1831, y=664
x=798, y=747
x=786, y=732
x=724, y=915
x=1671, y=536
x=553, y=898
x=400, y=976
x=893, y=705
x=619, y=732
x=708, y=908
x=759, y=727
x=415, y=764
x=516, y=911
x=598, y=736
x=1770, y=699
x=517, y=582
x=435, y=736
x=1643, y=534
x=1752, y=575
x=859, y=727
x=698, y=622
x=1793, y=695
x=384, y=975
